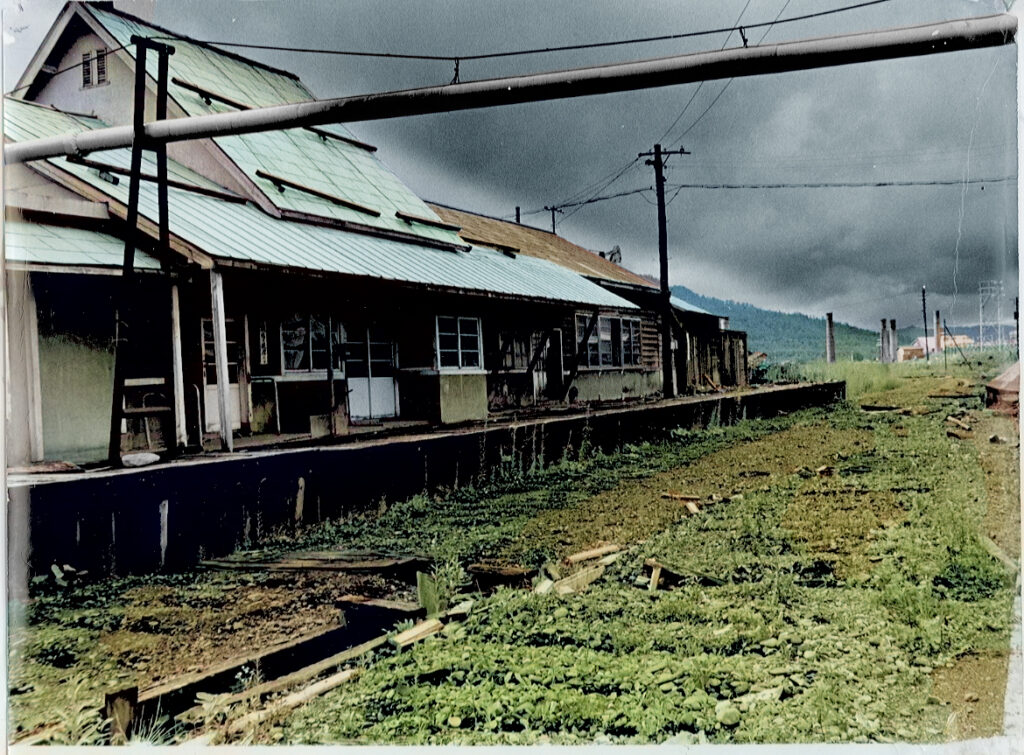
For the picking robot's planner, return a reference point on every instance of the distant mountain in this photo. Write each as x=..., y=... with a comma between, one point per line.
x=786, y=337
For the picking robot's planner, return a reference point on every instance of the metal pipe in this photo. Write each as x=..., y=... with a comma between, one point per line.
x=946, y=36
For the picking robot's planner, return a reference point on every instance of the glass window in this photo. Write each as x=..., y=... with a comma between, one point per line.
x=86, y=70
x=234, y=349
x=458, y=342
x=614, y=342
x=304, y=343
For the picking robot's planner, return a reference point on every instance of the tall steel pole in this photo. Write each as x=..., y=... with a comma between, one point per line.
x=801, y=55
x=924, y=313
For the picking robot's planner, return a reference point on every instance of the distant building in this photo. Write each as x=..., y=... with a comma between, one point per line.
x=917, y=349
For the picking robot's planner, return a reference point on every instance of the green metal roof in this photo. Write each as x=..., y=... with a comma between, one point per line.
x=45, y=244
x=685, y=306
x=244, y=233
x=328, y=165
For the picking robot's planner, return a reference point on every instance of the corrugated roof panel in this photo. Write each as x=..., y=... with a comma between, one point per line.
x=537, y=243
x=45, y=244
x=331, y=166
x=685, y=306
x=242, y=232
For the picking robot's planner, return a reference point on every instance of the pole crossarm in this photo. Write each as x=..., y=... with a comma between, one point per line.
x=946, y=36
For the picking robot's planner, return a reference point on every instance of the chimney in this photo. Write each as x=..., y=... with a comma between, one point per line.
x=940, y=344
x=883, y=350
x=830, y=339
x=894, y=343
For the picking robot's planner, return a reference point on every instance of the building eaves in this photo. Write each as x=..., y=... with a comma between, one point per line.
x=242, y=234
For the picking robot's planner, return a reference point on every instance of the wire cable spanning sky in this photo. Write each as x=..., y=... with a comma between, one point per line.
x=806, y=247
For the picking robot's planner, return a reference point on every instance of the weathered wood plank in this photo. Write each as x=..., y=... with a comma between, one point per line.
x=679, y=496
x=593, y=553
x=579, y=581
x=419, y=632
x=294, y=700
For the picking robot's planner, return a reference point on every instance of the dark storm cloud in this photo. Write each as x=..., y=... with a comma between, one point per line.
x=862, y=253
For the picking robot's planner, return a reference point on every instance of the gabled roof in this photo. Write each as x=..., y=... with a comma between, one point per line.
x=534, y=242
x=233, y=232
x=331, y=167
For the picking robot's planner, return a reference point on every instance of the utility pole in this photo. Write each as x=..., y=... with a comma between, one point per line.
x=553, y=211
x=658, y=161
x=517, y=215
x=924, y=313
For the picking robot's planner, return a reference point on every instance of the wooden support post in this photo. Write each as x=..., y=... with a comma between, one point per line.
x=220, y=352
x=126, y=287
x=178, y=372
x=32, y=368
x=331, y=400
x=119, y=708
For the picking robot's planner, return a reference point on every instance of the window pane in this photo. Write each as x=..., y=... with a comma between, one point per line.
x=616, y=325
x=447, y=325
x=86, y=70
x=295, y=338
x=468, y=325
x=468, y=342
x=470, y=359
x=101, y=66
x=449, y=358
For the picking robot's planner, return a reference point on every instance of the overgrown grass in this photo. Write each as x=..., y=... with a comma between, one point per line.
x=776, y=647
x=864, y=378
x=484, y=522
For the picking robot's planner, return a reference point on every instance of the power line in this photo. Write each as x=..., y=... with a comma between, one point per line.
x=806, y=185
x=842, y=184
x=528, y=51
x=73, y=67
x=722, y=90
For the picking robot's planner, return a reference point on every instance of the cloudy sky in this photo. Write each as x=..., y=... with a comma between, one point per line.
x=863, y=253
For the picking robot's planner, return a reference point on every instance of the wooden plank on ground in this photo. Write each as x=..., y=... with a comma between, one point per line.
x=958, y=423
x=419, y=632
x=679, y=496
x=290, y=680
x=692, y=507
x=173, y=696
x=544, y=586
x=579, y=581
x=291, y=701
x=593, y=553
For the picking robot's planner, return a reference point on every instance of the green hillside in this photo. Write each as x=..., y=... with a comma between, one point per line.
x=786, y=337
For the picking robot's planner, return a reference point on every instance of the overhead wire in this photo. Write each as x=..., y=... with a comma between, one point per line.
x=727, y=83
x=843, y=184
x=71, y=67
x=700, y=86
x=527, y=51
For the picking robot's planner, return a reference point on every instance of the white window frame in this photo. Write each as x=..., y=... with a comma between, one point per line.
x=93, y=75
x=332, y=326
x=461, y=367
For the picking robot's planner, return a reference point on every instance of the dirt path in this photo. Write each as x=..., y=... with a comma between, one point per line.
x=635, y=508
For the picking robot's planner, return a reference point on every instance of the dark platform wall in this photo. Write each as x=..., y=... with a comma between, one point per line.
x=169, y=517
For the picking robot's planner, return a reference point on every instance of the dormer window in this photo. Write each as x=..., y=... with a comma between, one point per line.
x=94, y=68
